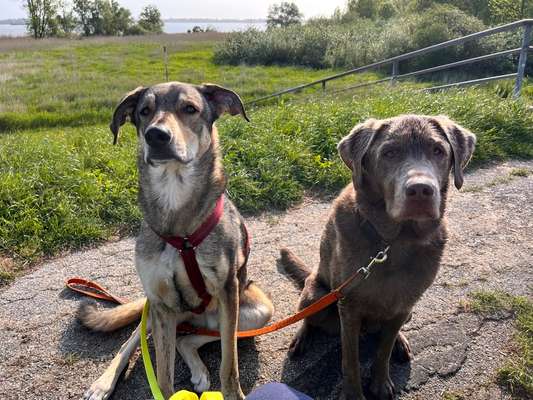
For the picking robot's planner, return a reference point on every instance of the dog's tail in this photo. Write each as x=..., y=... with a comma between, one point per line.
x=294, y=267
x=112, y=318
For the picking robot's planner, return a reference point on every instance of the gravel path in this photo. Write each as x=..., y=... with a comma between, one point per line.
x=46, y=354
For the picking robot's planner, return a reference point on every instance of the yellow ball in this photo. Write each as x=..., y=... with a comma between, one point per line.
x=184, y=395
x=212, y=396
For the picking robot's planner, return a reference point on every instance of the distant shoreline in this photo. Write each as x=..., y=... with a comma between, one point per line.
x=22, y=21
x=13, y=21
x=216, y=20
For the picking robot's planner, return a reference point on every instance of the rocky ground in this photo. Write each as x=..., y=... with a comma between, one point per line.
x=46, y=354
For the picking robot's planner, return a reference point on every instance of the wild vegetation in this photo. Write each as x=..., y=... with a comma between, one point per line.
x=64, y=186
x=68, y=84
x=369, y=31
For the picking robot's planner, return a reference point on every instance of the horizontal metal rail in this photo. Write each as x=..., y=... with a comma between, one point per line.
x=395, y=60
x=459, y=63
x=360, y=85
x=471, y=82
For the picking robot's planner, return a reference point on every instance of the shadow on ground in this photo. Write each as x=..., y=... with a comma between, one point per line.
x=327, y=365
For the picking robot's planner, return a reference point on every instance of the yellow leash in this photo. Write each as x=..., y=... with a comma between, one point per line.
x=150, y=374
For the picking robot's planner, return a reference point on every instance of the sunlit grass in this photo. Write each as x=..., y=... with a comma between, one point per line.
x=79, y=85
x=65, y=188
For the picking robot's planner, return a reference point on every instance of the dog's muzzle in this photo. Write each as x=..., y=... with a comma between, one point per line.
x=160, y=149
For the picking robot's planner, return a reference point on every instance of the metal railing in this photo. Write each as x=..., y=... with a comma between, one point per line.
x=527, y=24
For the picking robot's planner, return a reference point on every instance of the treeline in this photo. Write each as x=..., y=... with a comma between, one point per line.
x=62, y=18
x=366, y=31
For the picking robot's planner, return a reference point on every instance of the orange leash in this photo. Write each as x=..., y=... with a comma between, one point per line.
x=93, y=289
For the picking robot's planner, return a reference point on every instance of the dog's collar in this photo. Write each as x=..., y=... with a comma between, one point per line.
x=371, y=233
x=187, y=245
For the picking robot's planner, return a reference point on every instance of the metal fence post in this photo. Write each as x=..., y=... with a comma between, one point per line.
x=323, y=86
x=395, y=72
x=165, y=60
x=522, y=60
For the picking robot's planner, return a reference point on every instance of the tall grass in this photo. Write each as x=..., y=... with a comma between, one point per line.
x=79, y=84
x=347, y=44
x=65, y=188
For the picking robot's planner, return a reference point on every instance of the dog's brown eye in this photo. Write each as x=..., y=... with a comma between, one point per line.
x=190, y=109
x=438, y=151
x=145, y=111
x=390, y=153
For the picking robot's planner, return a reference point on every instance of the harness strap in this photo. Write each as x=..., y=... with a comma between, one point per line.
x=186, y=246
x=196, y=278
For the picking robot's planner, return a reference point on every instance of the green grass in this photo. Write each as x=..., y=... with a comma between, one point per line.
x=79, y=85
x=452, y=396
x=517, y=373
x=65, y=188
x=521, y=172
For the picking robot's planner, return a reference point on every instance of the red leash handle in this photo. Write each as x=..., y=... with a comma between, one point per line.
x=92, y=289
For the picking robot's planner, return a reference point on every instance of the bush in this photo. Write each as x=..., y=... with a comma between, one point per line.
x=325, y=42
x=280, y=46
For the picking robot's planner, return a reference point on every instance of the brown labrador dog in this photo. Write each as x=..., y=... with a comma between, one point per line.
x=400, y=169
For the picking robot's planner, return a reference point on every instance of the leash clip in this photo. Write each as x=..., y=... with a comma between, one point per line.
x=382, y=256
x=379, y=258
x=365, y=271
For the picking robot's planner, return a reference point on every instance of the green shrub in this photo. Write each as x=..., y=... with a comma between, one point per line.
x=342, y=43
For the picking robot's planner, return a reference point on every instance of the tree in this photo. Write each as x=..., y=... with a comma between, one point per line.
x=102, y=17
x=150, y=19
x=115, y=20
x=283, y=14
x=41, y=17
x=65, y=20
x=364, y=8
x=84, y=9
x=503, y=11
x=386, y=10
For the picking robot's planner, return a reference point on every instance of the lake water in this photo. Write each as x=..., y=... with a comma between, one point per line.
x=169, y=27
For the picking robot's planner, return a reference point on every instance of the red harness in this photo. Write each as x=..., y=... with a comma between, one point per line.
x=186, y=247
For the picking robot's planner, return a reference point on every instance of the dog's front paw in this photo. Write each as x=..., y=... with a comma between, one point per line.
x=99, y=390
x=200, y=380
x=298, y=346
x=382, y=390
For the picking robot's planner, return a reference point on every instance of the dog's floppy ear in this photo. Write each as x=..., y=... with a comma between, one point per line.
x=353, y=147
x=223, y=100
x=462, y=142
x=125, y=109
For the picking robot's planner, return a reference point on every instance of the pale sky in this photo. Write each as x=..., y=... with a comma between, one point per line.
x=201, y=8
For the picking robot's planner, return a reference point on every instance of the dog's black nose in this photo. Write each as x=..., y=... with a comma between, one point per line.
x=419, y=191
x=156, y=137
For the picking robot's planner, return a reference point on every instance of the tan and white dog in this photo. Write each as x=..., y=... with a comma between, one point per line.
x=180, y=179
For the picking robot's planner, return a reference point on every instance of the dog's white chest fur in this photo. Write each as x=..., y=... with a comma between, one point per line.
x=163, y=276
x=170, y=190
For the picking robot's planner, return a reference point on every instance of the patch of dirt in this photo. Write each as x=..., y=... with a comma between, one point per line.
x=46, y=354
